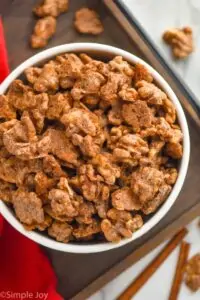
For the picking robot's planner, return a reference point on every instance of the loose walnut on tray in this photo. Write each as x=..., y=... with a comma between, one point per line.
x=87, y=147
x=192, y=273
x=87, y=21
x=180, y=40
x=45, y=27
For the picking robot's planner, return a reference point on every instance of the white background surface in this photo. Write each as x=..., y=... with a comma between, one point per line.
x=156, y=16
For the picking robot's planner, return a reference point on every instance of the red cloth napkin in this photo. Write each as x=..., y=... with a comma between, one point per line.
x=25, y=272
x=3, y=55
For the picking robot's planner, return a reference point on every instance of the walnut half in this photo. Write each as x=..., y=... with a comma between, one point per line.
x=181, y=41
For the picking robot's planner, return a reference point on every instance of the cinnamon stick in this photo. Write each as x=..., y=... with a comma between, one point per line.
x=138, y=283
x=183, y=257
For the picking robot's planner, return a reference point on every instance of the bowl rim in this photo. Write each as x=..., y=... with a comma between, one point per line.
x=114, y=51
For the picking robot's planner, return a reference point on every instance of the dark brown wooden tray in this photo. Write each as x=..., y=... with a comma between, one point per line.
x=81, y=275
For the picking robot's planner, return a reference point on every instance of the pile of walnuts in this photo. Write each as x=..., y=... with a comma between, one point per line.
x=87, y=148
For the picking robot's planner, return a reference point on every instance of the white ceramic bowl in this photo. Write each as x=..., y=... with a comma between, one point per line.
x=106, y=52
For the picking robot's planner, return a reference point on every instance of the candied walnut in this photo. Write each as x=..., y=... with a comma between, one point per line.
x=89, y=83
x=83, y=230
x=6, y=191
x=64, y=185
x=88, y=169
x=52, y=167
x=150, y=93
x=128, y=94
x=155, y=148
x=85, y=58
x=110, y=232
x=7, y=111
x=20, y=96
x=68, y=68
x=122, y=224
x=155, y=157
x=192, y=273
x=47, y=80
x=146, y=182
x=170, y=111
x=60, y=231
x=94, y=65
x=124, y=230
x=90, y=183
x=137, y=114
x=51, y=8
x=102, y=207
x=109, y=91
x=129, y=149
x=135, y=223
x=43, y=31
x=97, y=66
x=119, y=215
x=115, y=114
x=47, y=222
x=181, y=41
x=106, y=168
x=81, y=121
x=85, y=213
x=88, y=145
x=141, y=73
x=21, y=140
x=62, y=218
x=120, y=65
x=124, y=199
x=14, y=170
x=115, y=134
x=43, y=183
x=90, y=190
x=61, y=146
x=43, y=226
x=28, y=207
x=58, y=105
x=5, y=127
x=87, y=21
x=63, y=201
x=38, y=113
x=174, y=150
x=176, y=135
x=170, y=175
x=152, y=205
x=32, y=74
x=166, y=132
x=11, y=170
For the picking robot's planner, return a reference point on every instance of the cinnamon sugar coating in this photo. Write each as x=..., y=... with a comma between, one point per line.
x=87, y=147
